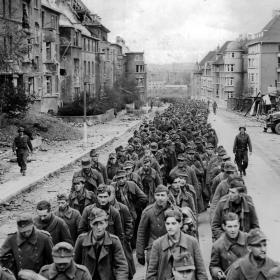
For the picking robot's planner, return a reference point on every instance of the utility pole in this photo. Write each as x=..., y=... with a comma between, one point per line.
x=85, y=115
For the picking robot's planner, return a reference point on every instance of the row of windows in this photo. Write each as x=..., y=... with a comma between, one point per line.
x=51, y=83
x=88, y=68
x=140, y=68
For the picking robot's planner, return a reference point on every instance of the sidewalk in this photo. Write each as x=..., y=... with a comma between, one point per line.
x=62, y=154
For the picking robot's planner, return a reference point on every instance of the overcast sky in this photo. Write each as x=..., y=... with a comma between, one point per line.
x=180, y=30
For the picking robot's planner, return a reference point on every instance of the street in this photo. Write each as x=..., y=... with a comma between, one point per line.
x=262, y=181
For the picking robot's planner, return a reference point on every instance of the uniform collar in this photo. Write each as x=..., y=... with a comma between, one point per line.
x=243, y=203
x=89, y=240
x=241, y=240
x=70, y=272
x=182, y=242
x=32, y=239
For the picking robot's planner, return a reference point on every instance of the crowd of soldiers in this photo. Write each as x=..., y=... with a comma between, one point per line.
x=147, y=199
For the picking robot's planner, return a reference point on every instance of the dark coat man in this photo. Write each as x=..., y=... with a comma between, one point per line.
x=112, y=166
x=114, y=221
x=100, y=251
x=245, y=209
x=241, y=144
x=22, y=146
x=225, y=252
x=92, y=177
x=160, y=260
x=63, y=267
x=28, y=248
x=95, y=164
x=71, y=216
x=56, y=226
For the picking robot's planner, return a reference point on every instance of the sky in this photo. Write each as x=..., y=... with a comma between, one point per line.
x=171, y=31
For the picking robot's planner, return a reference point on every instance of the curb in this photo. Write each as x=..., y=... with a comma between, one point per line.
x=53, y=173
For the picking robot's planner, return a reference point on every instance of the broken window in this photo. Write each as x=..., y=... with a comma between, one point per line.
x=48, y=51
x=25, y=16
x=49, y=84
x=31, y=85
x=76, y=66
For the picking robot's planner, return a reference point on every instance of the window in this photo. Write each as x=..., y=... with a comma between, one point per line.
x=92, y=46
x=56, y=84
x=89, y=45
x=232, y=55
x=77, y=91
x=36, y=4
x=252, y=77
x=48, y=51
x=31, y=85
x=10, y=8
x=43, y=19
x=85, y=44
x=92, y=67
x=85, y=68
x=88, y=68
x=49, y=84
x=96, y=47
x=140, y=68
x=36, y=61
x=37, y=32
x=76, y=66
x=4, y=7
x=76, y=38
x=53, y=22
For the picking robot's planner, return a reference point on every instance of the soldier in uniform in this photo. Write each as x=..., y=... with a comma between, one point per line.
x=240, y=148
x=71, y=216
x=21, y=147
x=255, y=265
x=132, y=175
x=231, y=246
x=46, y=220
x=92, y=177
x=28, y=248
x=63, y=266
x=80, y=197
x=112, y=166
x=152, y=224
x=100, y=251
x=95, y=164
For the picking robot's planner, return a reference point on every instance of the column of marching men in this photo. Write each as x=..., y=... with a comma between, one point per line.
x=147, y=198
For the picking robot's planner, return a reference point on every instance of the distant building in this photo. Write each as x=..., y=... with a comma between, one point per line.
x=135, y=69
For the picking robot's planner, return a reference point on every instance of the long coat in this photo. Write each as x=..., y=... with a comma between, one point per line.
x=28, y=254
x=111, y=264
x=57, y=228
x=72, y=218
x=224, y=253
x=247, y=214
x=160, y=267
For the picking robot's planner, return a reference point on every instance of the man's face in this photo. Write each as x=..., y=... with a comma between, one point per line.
x=113, y=160
x=103, y=198
x=242, y=130
x=234, y=195
x=121, y=180
x=61, y=267
x=180, y=163
x=86, y=169
x=26, y=234
x=210, y=151
x=229, y=173
x=147, y=165
x=44, y=215
x=94, y=158
x=137, y=145
x=183, y=275
x=173, y=227
x=176, y=185
x=98, y=228
x=128, y=170
x=62, y=204
x=161, y=198
x=259, y=250
x=231, y=228
x=79, y=186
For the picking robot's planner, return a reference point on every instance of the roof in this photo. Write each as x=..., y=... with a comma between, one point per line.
x=224, y=47
x=209, y=57
x=270, y=33
x=220, y=60
x=51, y=5
x=234, y=46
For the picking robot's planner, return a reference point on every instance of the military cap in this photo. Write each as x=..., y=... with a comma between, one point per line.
x=24, y=222
x=130, y=147
x=190, y=151
x=209, y=146
x=255, y=236
x=136, y=141
x=167, y=143
x=222, y=152
x=183, y=175
x=120, y=174
x=97, y=214
x=181, y=157
x=229, y=166
x=147, y=159
x=152, y=128
x=153, y=146
x=242, y=126
x=198, y=140
x=93, y=153
x=102, y=188
x=62, y=252
x=86, y=162
x=128, y=164
x=77, y=180
x=21, y=129
x=119, y=149
x=226, y=157
x=161, y=188
x=62, y=196
x=112, y=155
x=183, y=262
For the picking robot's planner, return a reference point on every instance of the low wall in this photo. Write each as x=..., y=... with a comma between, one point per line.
x=109, y=115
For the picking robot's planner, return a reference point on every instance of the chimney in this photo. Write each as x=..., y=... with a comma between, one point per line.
x=276, y=13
